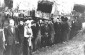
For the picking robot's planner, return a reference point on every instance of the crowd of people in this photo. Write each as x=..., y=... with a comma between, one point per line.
x=32, y=33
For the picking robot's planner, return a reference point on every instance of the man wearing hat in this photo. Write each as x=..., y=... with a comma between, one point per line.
x=21, y=34
x=28, y=34
x=65, y=28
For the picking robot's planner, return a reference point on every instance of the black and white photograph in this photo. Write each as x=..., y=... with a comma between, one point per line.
x=42, y=27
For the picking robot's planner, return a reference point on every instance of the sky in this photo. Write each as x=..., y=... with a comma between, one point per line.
x=63, y=6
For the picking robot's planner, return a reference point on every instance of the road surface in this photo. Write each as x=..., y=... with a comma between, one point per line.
x=76, y=46
x=72, y=47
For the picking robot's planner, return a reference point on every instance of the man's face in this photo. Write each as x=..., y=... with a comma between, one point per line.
x=11, y=22
x=29, y=24
x=21, y=22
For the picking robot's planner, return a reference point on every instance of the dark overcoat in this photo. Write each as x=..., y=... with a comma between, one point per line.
x=11, y=39
x=10, y=36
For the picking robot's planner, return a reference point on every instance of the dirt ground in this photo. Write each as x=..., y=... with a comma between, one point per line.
x=76, y=46
x=72, y=47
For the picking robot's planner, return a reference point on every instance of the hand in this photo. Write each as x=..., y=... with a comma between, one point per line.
x=32, y=36
x=4, y=43
x=16, y=42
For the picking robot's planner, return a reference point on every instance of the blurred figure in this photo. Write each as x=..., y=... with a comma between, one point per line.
x=21, y=31
x=28, y=34
x=52, y=32
x=57, y=28
x=65, y=28
x=11, y=38
x=21, y=35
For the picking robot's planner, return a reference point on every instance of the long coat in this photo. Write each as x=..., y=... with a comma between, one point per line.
x=10, y=36
x=21, y=33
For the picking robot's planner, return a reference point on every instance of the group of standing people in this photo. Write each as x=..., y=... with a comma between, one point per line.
x=17, y=38
x=30, y=34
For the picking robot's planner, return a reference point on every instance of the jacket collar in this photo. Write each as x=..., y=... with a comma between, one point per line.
x=9, y=28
